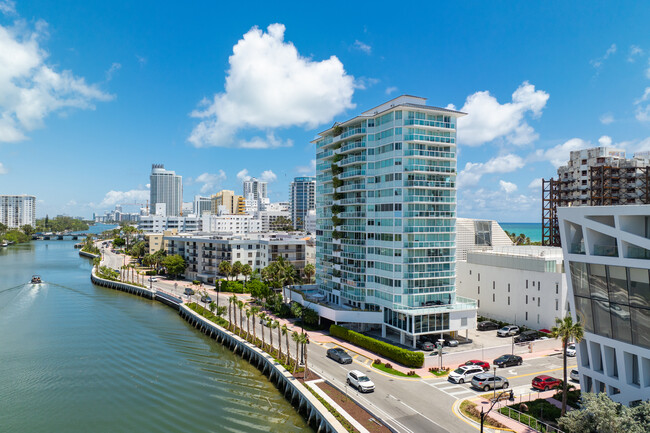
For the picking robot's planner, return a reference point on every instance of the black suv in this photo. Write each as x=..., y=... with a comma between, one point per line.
x=487, y=326
x=527, y=336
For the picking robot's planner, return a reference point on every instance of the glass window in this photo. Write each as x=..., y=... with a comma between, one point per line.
x=640, y=326
x=618, y=285
x=598, y=282
x=579, y=278
x=621, y=322
x=639, y=288
x=602, y=321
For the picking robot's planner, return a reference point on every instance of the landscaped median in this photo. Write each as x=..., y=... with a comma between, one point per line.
x=394, y=353
x=470, y=410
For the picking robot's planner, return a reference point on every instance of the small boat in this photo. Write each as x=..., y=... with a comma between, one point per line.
x=36, y=279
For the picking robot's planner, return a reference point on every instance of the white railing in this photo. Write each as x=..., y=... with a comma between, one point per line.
x=533, y=422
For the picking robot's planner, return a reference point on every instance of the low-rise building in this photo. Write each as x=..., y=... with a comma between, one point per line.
x=203, y=253
x=160, y=223
x=229, y=223
x=522, y=285
x=155, y=241
x=478, y=235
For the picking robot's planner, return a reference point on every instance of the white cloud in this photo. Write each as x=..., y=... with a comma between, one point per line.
x=116, y=197
x=30, y=89
x=112, y=70
x=642, y=146
x=508, y=187
x=8, y=7
x=243, y=175
x=270, y=85
x=141, y=60
x=391, y=89
x=635, y=51
x=269, y=142
x=210, y=181
x=605, y=140
x=497, y=204
x=597, y=63
x=362, y=47
x=643, y=106
x=307, y=169
x=473, y=171
x=3, y=170
x=559, y=155
x=488, y=120
x=607, y=118
x=268, y=176
x=535, y=183
x=363, y=83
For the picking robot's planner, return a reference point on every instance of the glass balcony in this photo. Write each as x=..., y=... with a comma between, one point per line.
x=606, y=250
x=577, y=248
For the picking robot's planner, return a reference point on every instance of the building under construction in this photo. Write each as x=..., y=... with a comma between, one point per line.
x=601, y=176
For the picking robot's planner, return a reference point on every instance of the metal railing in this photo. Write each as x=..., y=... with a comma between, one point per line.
x=529, y=420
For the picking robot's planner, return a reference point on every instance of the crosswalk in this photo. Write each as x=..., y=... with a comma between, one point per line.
x=461, y=391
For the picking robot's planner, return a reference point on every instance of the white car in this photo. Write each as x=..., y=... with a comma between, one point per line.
x=153, y=279
x=574, y=375
x=571, y=350
x=360, y=381
x=465, y=373
x=508, y=331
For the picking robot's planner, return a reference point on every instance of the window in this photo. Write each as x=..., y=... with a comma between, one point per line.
x=557, y=304
x=508, y=300
x=539, y=286
x=493, y=285
x=557, y=289
x=538, y=301
x=479, y=276
x=493, y=297
x=478, y=303
x=508, y=287
x=526, y=315
x=479, y=290
x=526, y=299
x=526, y=283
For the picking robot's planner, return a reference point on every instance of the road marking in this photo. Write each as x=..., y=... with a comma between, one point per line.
x=542, y=372
x=449, y=387
x=465, y=391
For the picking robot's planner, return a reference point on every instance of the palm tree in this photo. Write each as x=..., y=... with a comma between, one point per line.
x=262, y=320
x=255, y=311
x=248, y=323
x=276, y=324
x=212, y=307
x=285, y=331
x=236, y=269
x=296, y=337
x=225, y=268
x=240, y=305
x=304, y=340
x=246, y=271
x=566, y=330
x=96, y=262
x=233, y=301
x=272, y=324
x=309, y=271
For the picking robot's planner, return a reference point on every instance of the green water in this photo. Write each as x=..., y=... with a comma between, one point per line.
x=79, y=358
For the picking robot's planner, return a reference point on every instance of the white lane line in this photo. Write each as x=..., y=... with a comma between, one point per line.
x=450, y=387
x=465, y=391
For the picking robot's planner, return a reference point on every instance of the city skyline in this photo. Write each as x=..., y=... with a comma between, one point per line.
x=549, y=79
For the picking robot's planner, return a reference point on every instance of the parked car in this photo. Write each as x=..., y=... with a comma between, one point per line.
x=487, y=381
x=527, y=336
x=188, y=291
x=482, y=364
x=508, y=360
x=574, y=375
x=425, y=345
x=571, y=350
x=487, y=326
x=360, y=381
x=464, y=374
x=339, y=355
x=206, y=299
x=451, y=342
x=544, y=382
x=153, y=279
x=508, y=331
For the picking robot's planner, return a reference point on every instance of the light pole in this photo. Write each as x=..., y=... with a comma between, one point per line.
x=495, y=382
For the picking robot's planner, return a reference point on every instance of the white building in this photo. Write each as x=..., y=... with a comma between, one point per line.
x=607, y=251
x=165, y=187
x=255, y=190
x=302, y=199
x=235, y=224
x=17, y=210
x=187, y=208
x=202, y=205
x=386, y=210
x=522, y=285
x=204, y=253
x=159, y=223
x=478, y=235
x=310, y=222
x=269, y=218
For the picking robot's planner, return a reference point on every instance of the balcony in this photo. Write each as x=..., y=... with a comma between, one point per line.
x=606, y=250
x=577, y=248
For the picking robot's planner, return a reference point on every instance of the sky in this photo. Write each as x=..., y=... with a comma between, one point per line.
x=93, y=93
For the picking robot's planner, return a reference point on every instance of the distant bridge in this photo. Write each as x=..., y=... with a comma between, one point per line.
x=59, y=236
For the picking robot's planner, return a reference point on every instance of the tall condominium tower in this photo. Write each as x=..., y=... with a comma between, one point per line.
x=255, y=189
x=302, y=196
x=166, y=187
x=17, y=210
x=386, y=210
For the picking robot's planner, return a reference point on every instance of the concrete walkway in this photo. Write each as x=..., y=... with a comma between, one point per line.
x=339, y=409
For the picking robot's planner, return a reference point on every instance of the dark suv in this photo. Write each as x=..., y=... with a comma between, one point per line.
x=527, y=336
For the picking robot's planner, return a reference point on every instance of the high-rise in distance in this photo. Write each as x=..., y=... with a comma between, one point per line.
x=165, y=187
x=17, y=210
x=386, y=210
x=302, y=198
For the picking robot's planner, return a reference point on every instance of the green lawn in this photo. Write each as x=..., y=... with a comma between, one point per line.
x=383, y=368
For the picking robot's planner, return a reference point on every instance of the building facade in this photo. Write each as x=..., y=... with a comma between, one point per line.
x=227, y=202
x=202, y=205
x=478, y=235
x=255, y=189
x=157, y=223
x=235, y=224
x=386, y=209
x=17, y=210
x=302, y=196
x=607, y=253
x=522, y=285
x=165, y=187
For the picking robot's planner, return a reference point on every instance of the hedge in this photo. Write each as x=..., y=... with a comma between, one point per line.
x=397, y=354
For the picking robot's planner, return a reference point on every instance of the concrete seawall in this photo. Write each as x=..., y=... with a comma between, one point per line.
x=88, y=255
x=308, y=406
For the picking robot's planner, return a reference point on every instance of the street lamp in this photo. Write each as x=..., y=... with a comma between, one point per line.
x=495, y=382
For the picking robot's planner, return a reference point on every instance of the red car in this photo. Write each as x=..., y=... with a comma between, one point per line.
x=544, y=383
x=483, y=364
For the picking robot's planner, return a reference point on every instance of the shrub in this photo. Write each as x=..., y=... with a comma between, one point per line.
x=150, y=273
x=397, y=354
x=411, y=373
x=388, y=365
x=377, y=361
x=196, y=282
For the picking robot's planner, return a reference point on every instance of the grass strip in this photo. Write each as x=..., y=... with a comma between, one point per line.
x=344, y=422
x=392, y=371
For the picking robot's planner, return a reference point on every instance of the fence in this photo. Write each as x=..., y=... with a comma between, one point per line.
x=529, y=420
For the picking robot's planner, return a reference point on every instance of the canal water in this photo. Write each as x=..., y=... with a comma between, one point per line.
x=75, y=357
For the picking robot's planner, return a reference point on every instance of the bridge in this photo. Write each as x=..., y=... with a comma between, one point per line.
x=59, y=236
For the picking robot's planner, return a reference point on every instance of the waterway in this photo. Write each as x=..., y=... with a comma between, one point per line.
x=75, y=357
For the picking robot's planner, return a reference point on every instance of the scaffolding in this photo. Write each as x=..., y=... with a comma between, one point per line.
x=550, y=199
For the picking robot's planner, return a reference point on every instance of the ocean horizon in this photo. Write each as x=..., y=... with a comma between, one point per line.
x=532, y=230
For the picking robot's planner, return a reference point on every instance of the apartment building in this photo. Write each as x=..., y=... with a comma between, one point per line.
x=302, y=196
x=235, y=224
x=227, y=202
x=159, y=223
x=17, y=210
x=165, y=187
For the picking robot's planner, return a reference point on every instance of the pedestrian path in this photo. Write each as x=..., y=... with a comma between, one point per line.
x=339, y=409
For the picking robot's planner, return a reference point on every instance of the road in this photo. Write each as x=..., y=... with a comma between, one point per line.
x=406, y=405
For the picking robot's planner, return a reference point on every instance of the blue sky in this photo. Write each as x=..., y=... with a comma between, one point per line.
x=93, y=93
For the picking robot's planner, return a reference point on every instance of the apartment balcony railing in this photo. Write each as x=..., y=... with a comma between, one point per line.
x=353, y=173
x=460, y=304
x=577, y=248
x=637, y=253
x=352, y=146
x=606, y=250
x=429, y=153
x=435, y=124
x=352, y=160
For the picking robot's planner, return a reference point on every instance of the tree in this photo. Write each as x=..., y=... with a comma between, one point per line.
x=212, y=307
x=118, y=242
x=233, y=301
x=282, y=223
x=248, y=323
x=128, y=231
x=566, y=330
x=309, y=271
x=285, y=332
x=276, y=325
x=96, y=262
x=225, y=268
x=255, y=287
x=246, y=271
x=296, y=337
x=175, y=265
x=236, y=269
x=262, y=321
x=240, y=305
x=599, y=414
x=270, y=323
x=27, y=229
x=47, y=221
x=139, y=249
x=304, y=340
x=254, y=312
